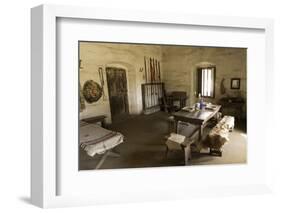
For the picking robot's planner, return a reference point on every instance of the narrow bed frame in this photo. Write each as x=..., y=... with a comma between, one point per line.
x=101, y=119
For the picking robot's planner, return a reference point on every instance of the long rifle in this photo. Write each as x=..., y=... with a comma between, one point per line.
x=157, y=85
x=145, y=71
x=159, y=78
x=155, y=81
x=151, y=80
x=148, y=80
x=145, y=86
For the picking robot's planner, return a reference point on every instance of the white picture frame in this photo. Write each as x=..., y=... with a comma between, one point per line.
x=44, y=154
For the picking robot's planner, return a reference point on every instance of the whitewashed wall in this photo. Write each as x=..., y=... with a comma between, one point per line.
x=180, y=65
x=130, y=57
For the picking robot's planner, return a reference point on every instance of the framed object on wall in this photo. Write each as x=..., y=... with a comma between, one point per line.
x=235, y=83
x=56, y=30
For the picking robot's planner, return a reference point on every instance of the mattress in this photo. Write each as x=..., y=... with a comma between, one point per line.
x=95, y=139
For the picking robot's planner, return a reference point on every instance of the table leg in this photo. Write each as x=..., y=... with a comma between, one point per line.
x=200, y=133
x=176, y=126
x=187, y=154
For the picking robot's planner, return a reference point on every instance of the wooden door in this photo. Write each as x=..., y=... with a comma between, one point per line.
x=118, y=93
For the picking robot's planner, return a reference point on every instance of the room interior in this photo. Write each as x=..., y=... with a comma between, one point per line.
x=142, y=96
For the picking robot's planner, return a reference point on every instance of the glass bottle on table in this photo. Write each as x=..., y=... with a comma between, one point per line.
x=200, y=102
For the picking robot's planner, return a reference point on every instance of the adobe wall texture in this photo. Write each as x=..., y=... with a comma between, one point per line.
x=127, y=56
x=178, y=69
x=180, y=66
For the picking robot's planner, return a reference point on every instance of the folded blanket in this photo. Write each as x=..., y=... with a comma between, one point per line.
x=96, y=140
x=93, y=133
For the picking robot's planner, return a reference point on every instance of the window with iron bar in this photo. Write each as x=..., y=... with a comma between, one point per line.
x=206, y=81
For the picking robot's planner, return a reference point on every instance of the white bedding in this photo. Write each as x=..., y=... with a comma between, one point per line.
x=96, y=140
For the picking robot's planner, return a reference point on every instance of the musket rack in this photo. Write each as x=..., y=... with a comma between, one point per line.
x=152, y=89
x=152, y=94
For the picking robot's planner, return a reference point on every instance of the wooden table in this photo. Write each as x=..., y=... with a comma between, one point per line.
x=199, y=118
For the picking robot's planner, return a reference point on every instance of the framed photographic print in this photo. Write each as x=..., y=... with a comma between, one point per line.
x=235, y=83
x=134, y=103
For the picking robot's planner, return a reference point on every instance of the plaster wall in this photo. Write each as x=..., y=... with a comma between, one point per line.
x=127, y=56
x=180, y=66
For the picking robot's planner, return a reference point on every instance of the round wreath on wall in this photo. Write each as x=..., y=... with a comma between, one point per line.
x=92, y=91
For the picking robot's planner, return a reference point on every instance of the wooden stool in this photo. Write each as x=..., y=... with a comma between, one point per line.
x=179, y=142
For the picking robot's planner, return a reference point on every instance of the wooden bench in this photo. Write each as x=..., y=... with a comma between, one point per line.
x=219, y=135
x=227, y=122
